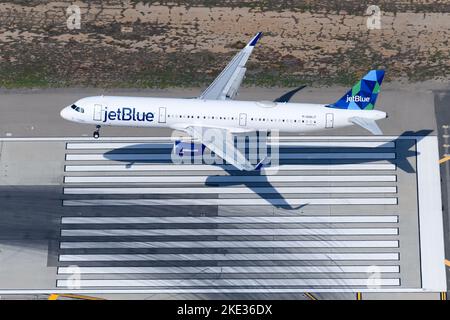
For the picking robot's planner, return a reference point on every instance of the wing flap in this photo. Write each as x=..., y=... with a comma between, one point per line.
x=221, y=142
x=232, y=87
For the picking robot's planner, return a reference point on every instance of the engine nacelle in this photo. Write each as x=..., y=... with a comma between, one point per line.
x=183, y=148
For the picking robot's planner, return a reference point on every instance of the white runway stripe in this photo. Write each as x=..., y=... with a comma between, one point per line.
x=169, y=139
x=231, y=202
x=250, y=269
x=189, y=167
x=244, y=219
x=231, y=190
x=117, y=145
x=226, y=178
x=167, y=157
x=309, y=144
x=231, y=244
x=227, y=232
x=228, y=282
x=230, y=257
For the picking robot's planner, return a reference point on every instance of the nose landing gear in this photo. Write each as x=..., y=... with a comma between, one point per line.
x=96, y=133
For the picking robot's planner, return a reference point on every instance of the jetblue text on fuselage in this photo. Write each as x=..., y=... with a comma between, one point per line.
x=358, y=99
x=128, y=114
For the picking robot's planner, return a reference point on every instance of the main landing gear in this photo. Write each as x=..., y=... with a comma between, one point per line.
x=96, y=133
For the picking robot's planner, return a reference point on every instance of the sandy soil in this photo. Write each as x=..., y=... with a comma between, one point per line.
x=129, y=43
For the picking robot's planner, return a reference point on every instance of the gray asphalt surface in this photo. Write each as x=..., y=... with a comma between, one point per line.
x=36, y=113
x=442, y=105
x=32, y=196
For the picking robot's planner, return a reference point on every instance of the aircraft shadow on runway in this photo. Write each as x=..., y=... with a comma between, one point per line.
x=270, y=193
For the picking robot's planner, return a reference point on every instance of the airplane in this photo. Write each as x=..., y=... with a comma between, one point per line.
x=215, y=109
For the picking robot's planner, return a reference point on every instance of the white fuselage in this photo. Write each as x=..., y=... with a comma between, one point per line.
x=236, y=116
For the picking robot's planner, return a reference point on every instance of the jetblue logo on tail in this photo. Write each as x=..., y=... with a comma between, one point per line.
x=358, y=99
x=363, y=95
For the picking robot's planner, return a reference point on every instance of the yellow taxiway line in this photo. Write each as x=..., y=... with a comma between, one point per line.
x=444, y=159
x=309, y=295
x=73, y=296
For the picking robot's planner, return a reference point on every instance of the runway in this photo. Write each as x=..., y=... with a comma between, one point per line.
x=128, y=220
x=265, y=248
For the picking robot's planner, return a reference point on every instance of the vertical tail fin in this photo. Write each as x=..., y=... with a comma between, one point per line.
x=364, y=94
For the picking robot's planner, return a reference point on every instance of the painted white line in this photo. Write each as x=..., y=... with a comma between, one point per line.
x=226, y=178
x=228, y=282
x=339, y=144
x=231, y=190
x=231, y=202
x=168, y=157
x=347, y=138
x=431, y=224
x=226, y=232
x=244, y=219
x=189, y=167
x=231, y=244
x=169, y=139
x=309, y=144
x=250, y=269
x=89, y=139
x=117, y=145
x=230, y=257
x=207, y=290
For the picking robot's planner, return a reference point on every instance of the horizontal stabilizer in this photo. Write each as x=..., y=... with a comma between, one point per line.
x=368, y=124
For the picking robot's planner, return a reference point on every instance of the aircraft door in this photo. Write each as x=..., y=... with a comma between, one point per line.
x=162, y=115
x=98, y=112
x=243, y=119
x=329, y=122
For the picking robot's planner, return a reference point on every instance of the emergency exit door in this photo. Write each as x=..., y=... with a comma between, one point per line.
x=329, y=123
x=243, y=119
x=98, y=112
x=162, y=115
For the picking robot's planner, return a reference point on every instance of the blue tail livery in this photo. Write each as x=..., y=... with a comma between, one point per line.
x=364, y=94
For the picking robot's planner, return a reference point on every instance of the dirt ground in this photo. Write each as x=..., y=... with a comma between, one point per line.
x=126, y=43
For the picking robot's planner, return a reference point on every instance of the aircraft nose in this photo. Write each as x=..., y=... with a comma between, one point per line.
x=65, y=113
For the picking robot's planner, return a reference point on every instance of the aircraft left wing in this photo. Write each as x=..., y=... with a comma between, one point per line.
x=221, y=142
x=227, y=84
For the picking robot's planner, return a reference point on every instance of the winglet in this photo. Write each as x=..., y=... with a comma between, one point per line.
x=255, y=39
x=262, y=163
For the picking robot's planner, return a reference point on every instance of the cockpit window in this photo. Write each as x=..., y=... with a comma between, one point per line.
x=77, y=109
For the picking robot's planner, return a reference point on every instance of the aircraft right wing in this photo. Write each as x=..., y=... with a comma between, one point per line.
x=227, y=84
x=221, y=142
